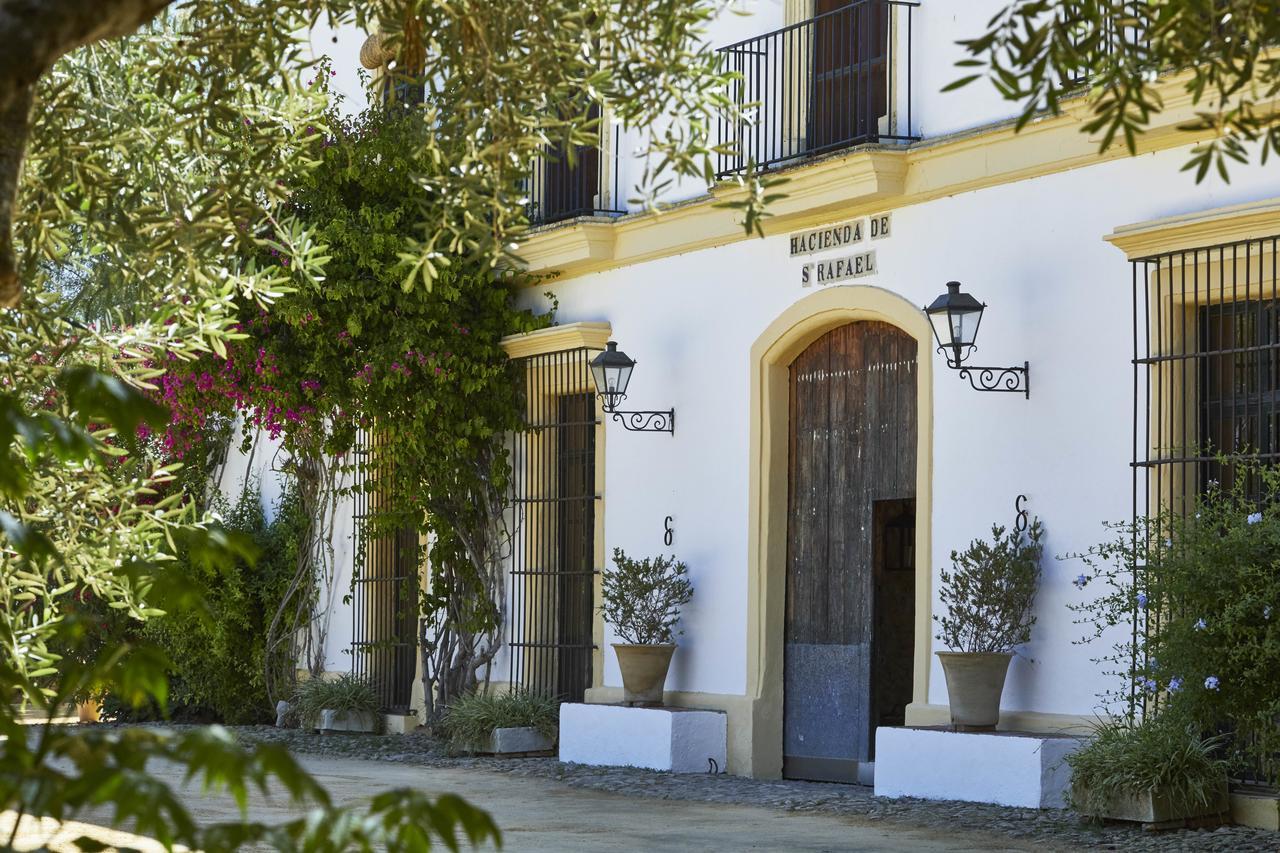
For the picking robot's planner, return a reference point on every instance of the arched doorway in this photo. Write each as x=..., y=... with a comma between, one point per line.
x=850, y=548
x=772, y=354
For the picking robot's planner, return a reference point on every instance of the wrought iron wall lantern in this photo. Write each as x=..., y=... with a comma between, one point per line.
x=611, y=370
x=955, y=317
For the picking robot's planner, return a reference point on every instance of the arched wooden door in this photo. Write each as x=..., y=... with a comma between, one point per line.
x=850, y=548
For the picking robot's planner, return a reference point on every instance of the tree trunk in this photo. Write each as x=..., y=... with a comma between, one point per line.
x=33, y=35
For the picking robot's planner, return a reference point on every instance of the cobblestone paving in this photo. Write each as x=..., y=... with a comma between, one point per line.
x=1057, y=830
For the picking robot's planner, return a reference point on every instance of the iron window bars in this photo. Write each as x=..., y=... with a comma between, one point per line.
x=384, y=595
x=553, y=564
x=820, y=85
x=563, y=188
x=1206, y=377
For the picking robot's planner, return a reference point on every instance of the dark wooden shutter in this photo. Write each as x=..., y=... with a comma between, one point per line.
x=849, y=92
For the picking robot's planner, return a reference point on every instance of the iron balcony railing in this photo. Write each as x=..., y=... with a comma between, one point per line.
x=560, y=189
x=839, y=79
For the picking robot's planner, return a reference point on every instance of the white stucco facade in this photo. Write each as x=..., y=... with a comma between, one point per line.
x=1031, y=245
x=1059, y=297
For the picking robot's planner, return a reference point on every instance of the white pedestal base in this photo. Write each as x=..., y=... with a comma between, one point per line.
x=1005, y=768
x=655, y=738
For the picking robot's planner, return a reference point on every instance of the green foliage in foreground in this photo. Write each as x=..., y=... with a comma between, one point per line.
x=470, y=720
x=1161, y=753
x=1040, y=52
x=61, y=771
x=345, y=694
x=129, y=166
x=1207, y=610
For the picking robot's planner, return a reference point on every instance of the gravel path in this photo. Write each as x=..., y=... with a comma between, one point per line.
x=1056, y=830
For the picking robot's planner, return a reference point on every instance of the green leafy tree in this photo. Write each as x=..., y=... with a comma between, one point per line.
x=505, y=81
x=1116, y=52
x=156, y=170
x=129, y=167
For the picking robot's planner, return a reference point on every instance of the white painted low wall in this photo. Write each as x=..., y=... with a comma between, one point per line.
x=670, y=739
x=1005, y=768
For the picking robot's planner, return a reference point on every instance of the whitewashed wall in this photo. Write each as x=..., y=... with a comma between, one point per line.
x=1058, y=296
x=341, y=46
x=262, y=466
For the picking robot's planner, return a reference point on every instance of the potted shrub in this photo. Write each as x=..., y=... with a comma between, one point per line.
x=344, y=704
x=518, y=722
x=642, y=601
x=1157, y=771
x=989, y=595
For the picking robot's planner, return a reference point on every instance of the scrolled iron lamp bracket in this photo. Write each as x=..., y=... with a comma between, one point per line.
x=1006, y=379
x=611, y=370
x=643, y=421
x=955, y=317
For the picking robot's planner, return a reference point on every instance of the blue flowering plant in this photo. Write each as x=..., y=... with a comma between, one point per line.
x=1188, y=606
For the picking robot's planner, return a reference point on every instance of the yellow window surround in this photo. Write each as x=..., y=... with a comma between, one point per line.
x=550, y=378
x=1184, y=263
x=1198, y=230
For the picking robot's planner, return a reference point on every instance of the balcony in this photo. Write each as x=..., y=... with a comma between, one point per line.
x=561, y=188
x=840, y=79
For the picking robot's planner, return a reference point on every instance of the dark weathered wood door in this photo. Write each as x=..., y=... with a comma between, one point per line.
x=852, y=444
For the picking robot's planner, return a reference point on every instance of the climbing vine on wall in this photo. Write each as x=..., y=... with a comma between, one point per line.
x=358, y=354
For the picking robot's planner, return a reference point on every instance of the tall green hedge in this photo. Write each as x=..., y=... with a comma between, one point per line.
x=218, y=657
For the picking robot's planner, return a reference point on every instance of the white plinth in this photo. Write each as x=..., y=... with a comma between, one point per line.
x=1005, y=768
x=673, y=739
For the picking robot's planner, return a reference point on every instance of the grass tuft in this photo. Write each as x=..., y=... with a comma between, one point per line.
x=1160, y=753
x=347, y=693
x=469, y=721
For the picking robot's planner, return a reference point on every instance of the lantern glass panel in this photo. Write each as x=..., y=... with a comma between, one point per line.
x=964, y=326
x=941, y=322
x=597, y=373
x=619, y=378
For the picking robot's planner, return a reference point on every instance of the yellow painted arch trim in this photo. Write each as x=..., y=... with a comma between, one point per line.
x=775, y=349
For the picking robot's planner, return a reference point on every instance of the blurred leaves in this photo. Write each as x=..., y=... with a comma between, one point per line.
x=1116, y=52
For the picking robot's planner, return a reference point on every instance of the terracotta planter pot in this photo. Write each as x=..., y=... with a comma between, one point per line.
x=975, y=681
x=644, y=671
x=89, y=712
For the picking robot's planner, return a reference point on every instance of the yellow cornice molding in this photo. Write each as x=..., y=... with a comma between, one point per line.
x=578, y=245
x=558, y=338
x=1198, y=230
x=858, y=182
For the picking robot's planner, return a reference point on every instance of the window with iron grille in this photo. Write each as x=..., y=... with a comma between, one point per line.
x=554, y=560
x=1206, y=377
x=1206, y=368
x=384, y=595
